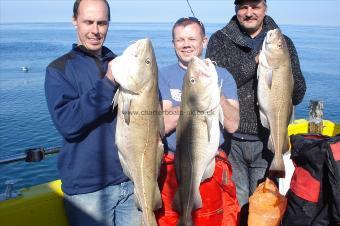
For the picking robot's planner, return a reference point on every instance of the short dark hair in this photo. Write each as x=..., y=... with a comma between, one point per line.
x=186, y=21
x=76, y=6
x=237, y=2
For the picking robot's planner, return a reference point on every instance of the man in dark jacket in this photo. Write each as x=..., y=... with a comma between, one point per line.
x=235, y=47
x=79, y=89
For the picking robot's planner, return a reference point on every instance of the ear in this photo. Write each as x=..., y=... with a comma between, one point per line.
x=74, y=22
x=236, y=8
x=205, y=41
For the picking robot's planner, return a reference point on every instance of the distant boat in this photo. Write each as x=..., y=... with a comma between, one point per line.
x=24, y=69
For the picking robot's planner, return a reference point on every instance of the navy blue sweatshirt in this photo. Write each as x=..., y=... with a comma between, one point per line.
x=79, y=99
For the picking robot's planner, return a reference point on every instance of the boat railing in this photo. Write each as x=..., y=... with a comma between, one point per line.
x=30, y=155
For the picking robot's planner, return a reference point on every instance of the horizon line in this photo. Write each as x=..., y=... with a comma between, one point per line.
x=153, y=22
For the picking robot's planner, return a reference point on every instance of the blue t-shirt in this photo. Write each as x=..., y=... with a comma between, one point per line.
x=170, y=86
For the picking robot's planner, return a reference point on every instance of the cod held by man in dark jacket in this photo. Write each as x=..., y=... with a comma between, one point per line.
x=236, y=47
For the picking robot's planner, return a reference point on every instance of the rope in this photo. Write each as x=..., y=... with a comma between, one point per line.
x=191, y=8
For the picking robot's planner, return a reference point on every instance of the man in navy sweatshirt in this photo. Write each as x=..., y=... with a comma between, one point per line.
x=79, y=89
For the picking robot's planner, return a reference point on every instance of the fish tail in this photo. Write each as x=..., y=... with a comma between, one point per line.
x=277, y=168
x=270, y=144
x=185, y=222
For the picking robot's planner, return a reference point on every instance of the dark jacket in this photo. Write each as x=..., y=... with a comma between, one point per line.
x=229, y=49
x=79, y=99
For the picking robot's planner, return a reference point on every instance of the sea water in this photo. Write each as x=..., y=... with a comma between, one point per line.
x=24, y=118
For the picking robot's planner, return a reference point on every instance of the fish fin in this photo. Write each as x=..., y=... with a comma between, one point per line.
x=221, y=116
x=285, y=147
x=209, y=126
x=157, y=199
x=209, y=171
x=160, y=152
x=270, y=145
x=124, y=166
x=264, y=120
x=126, y=108
x=277, y=168
x=258, y=72
x=292, y=115
x=286, y=144
x=161, y=123
x=115, y=99
x=197, y=200
x=263, y=65
x=269, y=77
x=137, y=203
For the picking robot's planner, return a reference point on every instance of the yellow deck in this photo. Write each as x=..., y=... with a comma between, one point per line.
x=300, y=126
x=40, y=205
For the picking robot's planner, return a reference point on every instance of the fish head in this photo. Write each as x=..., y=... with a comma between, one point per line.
x=274, y=47
x=137, y=65
x=201, y=81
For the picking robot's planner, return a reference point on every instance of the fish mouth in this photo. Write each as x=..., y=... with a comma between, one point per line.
x=272, y=36
x=205, y=66
x=143, y=44
x=138, y=47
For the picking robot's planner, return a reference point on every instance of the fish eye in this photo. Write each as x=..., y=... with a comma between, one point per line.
x=192, y=80
x=147, y=61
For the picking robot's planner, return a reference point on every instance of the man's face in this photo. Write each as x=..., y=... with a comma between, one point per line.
x=188, y=42
x=250, y=15
x=92, y=25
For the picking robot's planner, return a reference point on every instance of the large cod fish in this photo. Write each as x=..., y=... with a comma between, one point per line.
x=140, y=124
x=274, y=91
x=197, y=135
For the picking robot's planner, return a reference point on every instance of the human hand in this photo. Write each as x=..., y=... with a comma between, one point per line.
x=109, y=73
x=257, y=58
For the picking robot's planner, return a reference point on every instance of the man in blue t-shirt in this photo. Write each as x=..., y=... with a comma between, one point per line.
x=189, y=40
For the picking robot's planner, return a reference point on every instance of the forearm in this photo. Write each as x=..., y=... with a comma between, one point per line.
x=231, y=114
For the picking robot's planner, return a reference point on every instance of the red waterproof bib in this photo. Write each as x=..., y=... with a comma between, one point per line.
x=220, y=206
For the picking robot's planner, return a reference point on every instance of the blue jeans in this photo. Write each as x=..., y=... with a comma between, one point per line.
x=111, y=206
x=250, y=163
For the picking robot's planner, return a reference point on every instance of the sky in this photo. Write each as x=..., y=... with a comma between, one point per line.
x=298, y=12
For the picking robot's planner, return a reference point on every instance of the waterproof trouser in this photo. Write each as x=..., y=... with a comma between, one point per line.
x=219, y=202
